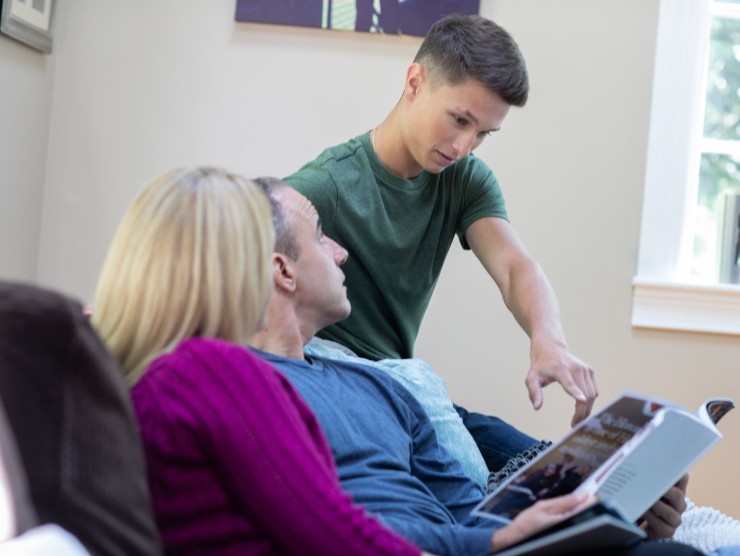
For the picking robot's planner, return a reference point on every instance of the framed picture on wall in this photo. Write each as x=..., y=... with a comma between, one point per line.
x=28, y=21
x=408, y=17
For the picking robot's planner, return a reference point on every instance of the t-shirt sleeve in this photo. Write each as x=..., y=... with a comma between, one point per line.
x=482, y=196
x=267, y=446
x=316, y=182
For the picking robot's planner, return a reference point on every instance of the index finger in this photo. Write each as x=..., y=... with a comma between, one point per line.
x=589, y=388
x=583, y=410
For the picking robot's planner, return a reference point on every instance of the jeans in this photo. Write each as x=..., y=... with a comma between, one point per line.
x=497, y=440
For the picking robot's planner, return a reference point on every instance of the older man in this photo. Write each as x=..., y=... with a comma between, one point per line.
x=385, y=448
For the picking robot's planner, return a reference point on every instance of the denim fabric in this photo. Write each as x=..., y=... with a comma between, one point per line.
x=497, y=440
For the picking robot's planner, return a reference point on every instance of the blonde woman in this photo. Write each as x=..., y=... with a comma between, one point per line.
x=237, y=462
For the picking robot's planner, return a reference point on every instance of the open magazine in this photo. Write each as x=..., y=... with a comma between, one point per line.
x=628, y=454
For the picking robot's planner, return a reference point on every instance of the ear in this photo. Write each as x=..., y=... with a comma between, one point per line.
x=414, y=79
x=283, y=272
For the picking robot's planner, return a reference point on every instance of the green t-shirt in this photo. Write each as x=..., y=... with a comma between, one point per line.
x=397, y=232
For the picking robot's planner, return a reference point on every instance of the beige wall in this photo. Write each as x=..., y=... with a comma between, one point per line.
x=26, y=78
x=144, y=86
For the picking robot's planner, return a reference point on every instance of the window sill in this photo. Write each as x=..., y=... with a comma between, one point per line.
x=686, y=307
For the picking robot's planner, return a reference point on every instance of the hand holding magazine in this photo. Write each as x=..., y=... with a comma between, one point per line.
x=628, y=454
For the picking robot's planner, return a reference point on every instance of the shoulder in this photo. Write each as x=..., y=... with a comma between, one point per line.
x=206, y=380
x=350, y=366
x=201, y=364
x=334, y=159
x=331, y=155
x=381, y=381
x=207, y=352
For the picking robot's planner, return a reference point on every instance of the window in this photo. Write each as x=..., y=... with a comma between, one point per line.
x=715, y=260
x=693, y=159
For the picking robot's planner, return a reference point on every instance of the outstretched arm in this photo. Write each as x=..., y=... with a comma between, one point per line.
x=529, y=296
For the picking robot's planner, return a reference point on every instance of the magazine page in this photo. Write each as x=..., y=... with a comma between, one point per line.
x=711, y=411
x=588, y=452
x=676, y=441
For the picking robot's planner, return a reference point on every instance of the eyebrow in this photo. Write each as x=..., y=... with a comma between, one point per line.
x=468, y=114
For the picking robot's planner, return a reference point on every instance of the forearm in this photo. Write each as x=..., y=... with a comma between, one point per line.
x=529, y=296
x=523, y=285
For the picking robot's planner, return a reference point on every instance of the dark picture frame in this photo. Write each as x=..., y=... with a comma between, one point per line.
x=396, y=17
x=28, y=21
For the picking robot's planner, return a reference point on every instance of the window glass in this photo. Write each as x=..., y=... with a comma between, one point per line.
x=720, y=147
x=692, y=164
x=723, y=81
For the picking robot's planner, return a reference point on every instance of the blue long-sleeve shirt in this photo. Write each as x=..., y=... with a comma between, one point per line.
x=388, y=456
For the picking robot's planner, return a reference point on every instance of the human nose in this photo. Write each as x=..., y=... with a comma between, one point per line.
x=338, y=252
x=464, y=143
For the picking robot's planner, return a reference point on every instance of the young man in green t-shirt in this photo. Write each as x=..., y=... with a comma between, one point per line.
x=396, y=196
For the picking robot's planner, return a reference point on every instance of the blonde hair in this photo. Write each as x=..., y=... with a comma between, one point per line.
x=191, y=257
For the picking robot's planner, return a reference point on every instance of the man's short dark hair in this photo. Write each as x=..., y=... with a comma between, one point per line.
x=285, y=241
x=459, y=47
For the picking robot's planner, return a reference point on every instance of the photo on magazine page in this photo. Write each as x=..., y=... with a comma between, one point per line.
x=717, y=408
x=584, y=451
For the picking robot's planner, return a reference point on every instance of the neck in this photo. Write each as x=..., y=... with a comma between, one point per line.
x=282, y=335
x=390, y=148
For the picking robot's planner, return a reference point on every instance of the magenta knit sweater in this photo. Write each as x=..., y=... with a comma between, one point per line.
x=238, y=464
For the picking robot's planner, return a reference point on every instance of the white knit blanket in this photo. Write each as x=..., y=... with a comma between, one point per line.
x=706, y=528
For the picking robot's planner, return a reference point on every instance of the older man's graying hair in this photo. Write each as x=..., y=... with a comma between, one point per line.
x=285, y=242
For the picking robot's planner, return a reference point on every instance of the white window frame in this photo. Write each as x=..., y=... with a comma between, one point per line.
x=664, y=296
